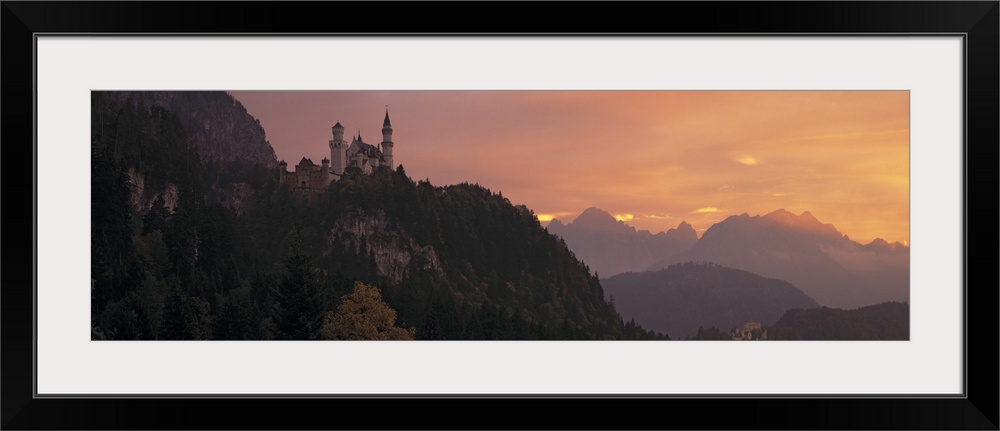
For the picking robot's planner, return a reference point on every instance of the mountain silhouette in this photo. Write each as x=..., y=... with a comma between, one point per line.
x=610, y=247
x=886, y=321
x=680, y=299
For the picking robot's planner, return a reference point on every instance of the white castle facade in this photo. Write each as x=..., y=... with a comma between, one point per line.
x=343, y=156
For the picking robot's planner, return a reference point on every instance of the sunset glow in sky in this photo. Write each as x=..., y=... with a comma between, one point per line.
x=651, y=158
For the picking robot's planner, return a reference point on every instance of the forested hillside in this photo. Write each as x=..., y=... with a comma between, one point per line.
x=886, y=321
x=687, y=296
x=189, y=248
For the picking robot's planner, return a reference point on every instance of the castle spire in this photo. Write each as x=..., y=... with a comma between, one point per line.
x=386, y=145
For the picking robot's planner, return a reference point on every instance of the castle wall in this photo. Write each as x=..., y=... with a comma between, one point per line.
x=314, y=179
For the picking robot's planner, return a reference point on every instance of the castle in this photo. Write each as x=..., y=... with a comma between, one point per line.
x=343, y=156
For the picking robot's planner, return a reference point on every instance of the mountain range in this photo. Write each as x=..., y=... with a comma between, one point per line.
x=611, y=247
x=813, y=256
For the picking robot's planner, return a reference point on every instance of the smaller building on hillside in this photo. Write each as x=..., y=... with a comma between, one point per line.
x=750, y=331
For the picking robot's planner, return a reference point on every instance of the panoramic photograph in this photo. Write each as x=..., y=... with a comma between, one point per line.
x=500, y=215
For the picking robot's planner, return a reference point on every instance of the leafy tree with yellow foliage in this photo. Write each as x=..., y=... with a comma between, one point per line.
x=362, y=315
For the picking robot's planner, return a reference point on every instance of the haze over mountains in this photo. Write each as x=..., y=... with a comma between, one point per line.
x=813, y=256
x=612, y=247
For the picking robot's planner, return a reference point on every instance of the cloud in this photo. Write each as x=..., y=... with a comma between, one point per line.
x=547, y=217
x=624, y=217
x=659, y=216
x=843, y=154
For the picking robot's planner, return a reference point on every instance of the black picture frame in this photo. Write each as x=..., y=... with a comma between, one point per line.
x=977, y=22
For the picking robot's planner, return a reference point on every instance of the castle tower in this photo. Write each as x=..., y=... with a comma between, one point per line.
x=387, y=140
x=282, y=171
x=326, y=174
x=338, y=151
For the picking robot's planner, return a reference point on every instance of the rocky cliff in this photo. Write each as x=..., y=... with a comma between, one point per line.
x=392, y=248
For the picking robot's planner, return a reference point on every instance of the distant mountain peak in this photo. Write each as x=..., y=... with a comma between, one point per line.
x=782, y=214
x=684, y=231
x=610, y=246
x=882, y=246
x=594, y=213
x=598, y=219
x=806, y=221
x=554, y=226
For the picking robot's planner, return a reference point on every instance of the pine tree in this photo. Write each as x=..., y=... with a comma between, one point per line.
x=115, y=267
x=300, y=307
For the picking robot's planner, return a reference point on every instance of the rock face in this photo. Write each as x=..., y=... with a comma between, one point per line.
x=215, y=122
x=611, y=247
x=235, y=196
x=392, y=249
x=142, y=199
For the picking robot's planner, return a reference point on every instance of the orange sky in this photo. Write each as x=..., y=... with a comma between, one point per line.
x=655, y=158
